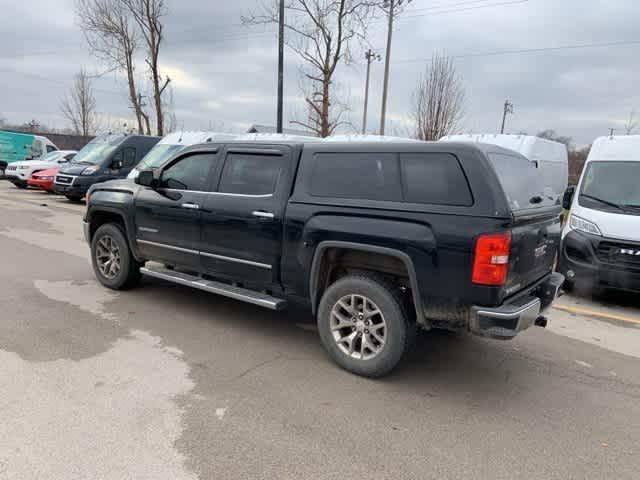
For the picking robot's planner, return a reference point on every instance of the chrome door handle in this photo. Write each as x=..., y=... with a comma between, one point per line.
x=192, y=206
x=262, y=214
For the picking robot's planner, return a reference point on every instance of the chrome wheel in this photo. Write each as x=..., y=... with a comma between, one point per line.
x=108, y=257
x=358, y=327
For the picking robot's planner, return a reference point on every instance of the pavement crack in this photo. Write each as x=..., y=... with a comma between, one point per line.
x=255, y=367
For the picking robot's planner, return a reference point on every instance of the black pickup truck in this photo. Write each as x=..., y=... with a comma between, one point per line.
x=378, y=239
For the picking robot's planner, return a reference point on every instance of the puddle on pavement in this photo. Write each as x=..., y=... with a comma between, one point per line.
x=109, y=416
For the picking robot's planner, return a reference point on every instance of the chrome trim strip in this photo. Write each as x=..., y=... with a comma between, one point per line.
x=261, y=214
x=170, y=247
x=237, y=260
x=241, y=195
x=190, y=206
x=147, y=229
x=210, y=255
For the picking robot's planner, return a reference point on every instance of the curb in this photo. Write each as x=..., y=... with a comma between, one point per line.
x=598, y=314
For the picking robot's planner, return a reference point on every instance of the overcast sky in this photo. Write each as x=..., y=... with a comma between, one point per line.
x=224, y=74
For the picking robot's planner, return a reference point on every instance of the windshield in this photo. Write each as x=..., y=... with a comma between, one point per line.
x=157, y=155
x=94, y=153
x=524, y=184
x=611, y=186
x=50, y=157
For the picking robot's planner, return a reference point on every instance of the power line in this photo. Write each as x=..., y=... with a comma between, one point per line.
x=529, y=50
x=464, y=9
x=448, y=5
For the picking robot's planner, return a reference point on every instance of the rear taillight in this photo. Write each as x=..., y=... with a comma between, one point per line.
x=491, y=259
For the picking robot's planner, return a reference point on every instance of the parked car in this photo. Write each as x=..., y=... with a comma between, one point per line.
x=106, y=157
x=43, y=179
x=19, y=173
x=377, y=238
x=173, y=143
x=550, y=158
x=15, y=147
x=601, y=239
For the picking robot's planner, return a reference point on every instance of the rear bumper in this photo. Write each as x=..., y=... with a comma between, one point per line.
x=518, y=314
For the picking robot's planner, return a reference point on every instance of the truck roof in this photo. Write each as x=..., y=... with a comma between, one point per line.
x=532, y=147
x=615, y=148
x=193, y=137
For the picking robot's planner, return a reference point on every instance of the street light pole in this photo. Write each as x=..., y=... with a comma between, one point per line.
x=280, y=67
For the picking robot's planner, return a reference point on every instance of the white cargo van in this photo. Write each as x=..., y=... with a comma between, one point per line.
x=601, y=240
x=173, y=143
x=549, y=157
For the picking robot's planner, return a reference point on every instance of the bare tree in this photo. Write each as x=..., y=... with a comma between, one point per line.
x=551, y=134
x=113, y=38
x=79, y=105
x=169, y=109
x=320, y=33
x=631, y=124
x=148, y=15
x=438, y=100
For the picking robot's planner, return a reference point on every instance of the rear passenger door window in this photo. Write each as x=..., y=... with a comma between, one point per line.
x=250, y=174
x=189, y=173
x=434, y=178
x=370, y=176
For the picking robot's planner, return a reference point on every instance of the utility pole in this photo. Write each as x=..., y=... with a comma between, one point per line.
x=508, y=108
x=369, y=56
x=280, y=67
x=393, y=5
x=611, y=130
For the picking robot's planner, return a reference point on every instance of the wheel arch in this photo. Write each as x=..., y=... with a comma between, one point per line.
x=98, y=217
x=320, y=257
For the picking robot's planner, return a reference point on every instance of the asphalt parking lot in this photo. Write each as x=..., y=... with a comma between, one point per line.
x=166, y=382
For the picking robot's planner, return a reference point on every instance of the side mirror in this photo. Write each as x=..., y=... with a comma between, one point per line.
x=146, y=179
x=116, y=165
x=567, y=198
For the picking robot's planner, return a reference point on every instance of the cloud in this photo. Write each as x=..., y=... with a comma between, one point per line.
x=225, y=74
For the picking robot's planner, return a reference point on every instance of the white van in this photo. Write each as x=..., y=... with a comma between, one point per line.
x=601, y=240
x=173, y=143
x=551, y=158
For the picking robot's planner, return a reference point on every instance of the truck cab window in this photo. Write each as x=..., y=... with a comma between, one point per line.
x=189, y=173
x=250, y=174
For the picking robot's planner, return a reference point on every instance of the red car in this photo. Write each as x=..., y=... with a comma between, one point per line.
x=43, y=179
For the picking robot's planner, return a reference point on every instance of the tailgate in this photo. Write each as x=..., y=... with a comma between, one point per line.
x=534, y=243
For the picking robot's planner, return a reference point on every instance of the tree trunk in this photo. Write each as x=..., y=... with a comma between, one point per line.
x=324, y=117
x=133, y=96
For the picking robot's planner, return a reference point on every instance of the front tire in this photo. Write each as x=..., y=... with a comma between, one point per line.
x=74, y=198
x=363, y=324
x=112, y=260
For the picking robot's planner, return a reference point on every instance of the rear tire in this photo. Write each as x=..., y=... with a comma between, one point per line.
x=74, y=198
x=22, y=186
x=358, y=339
x=112, y=260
